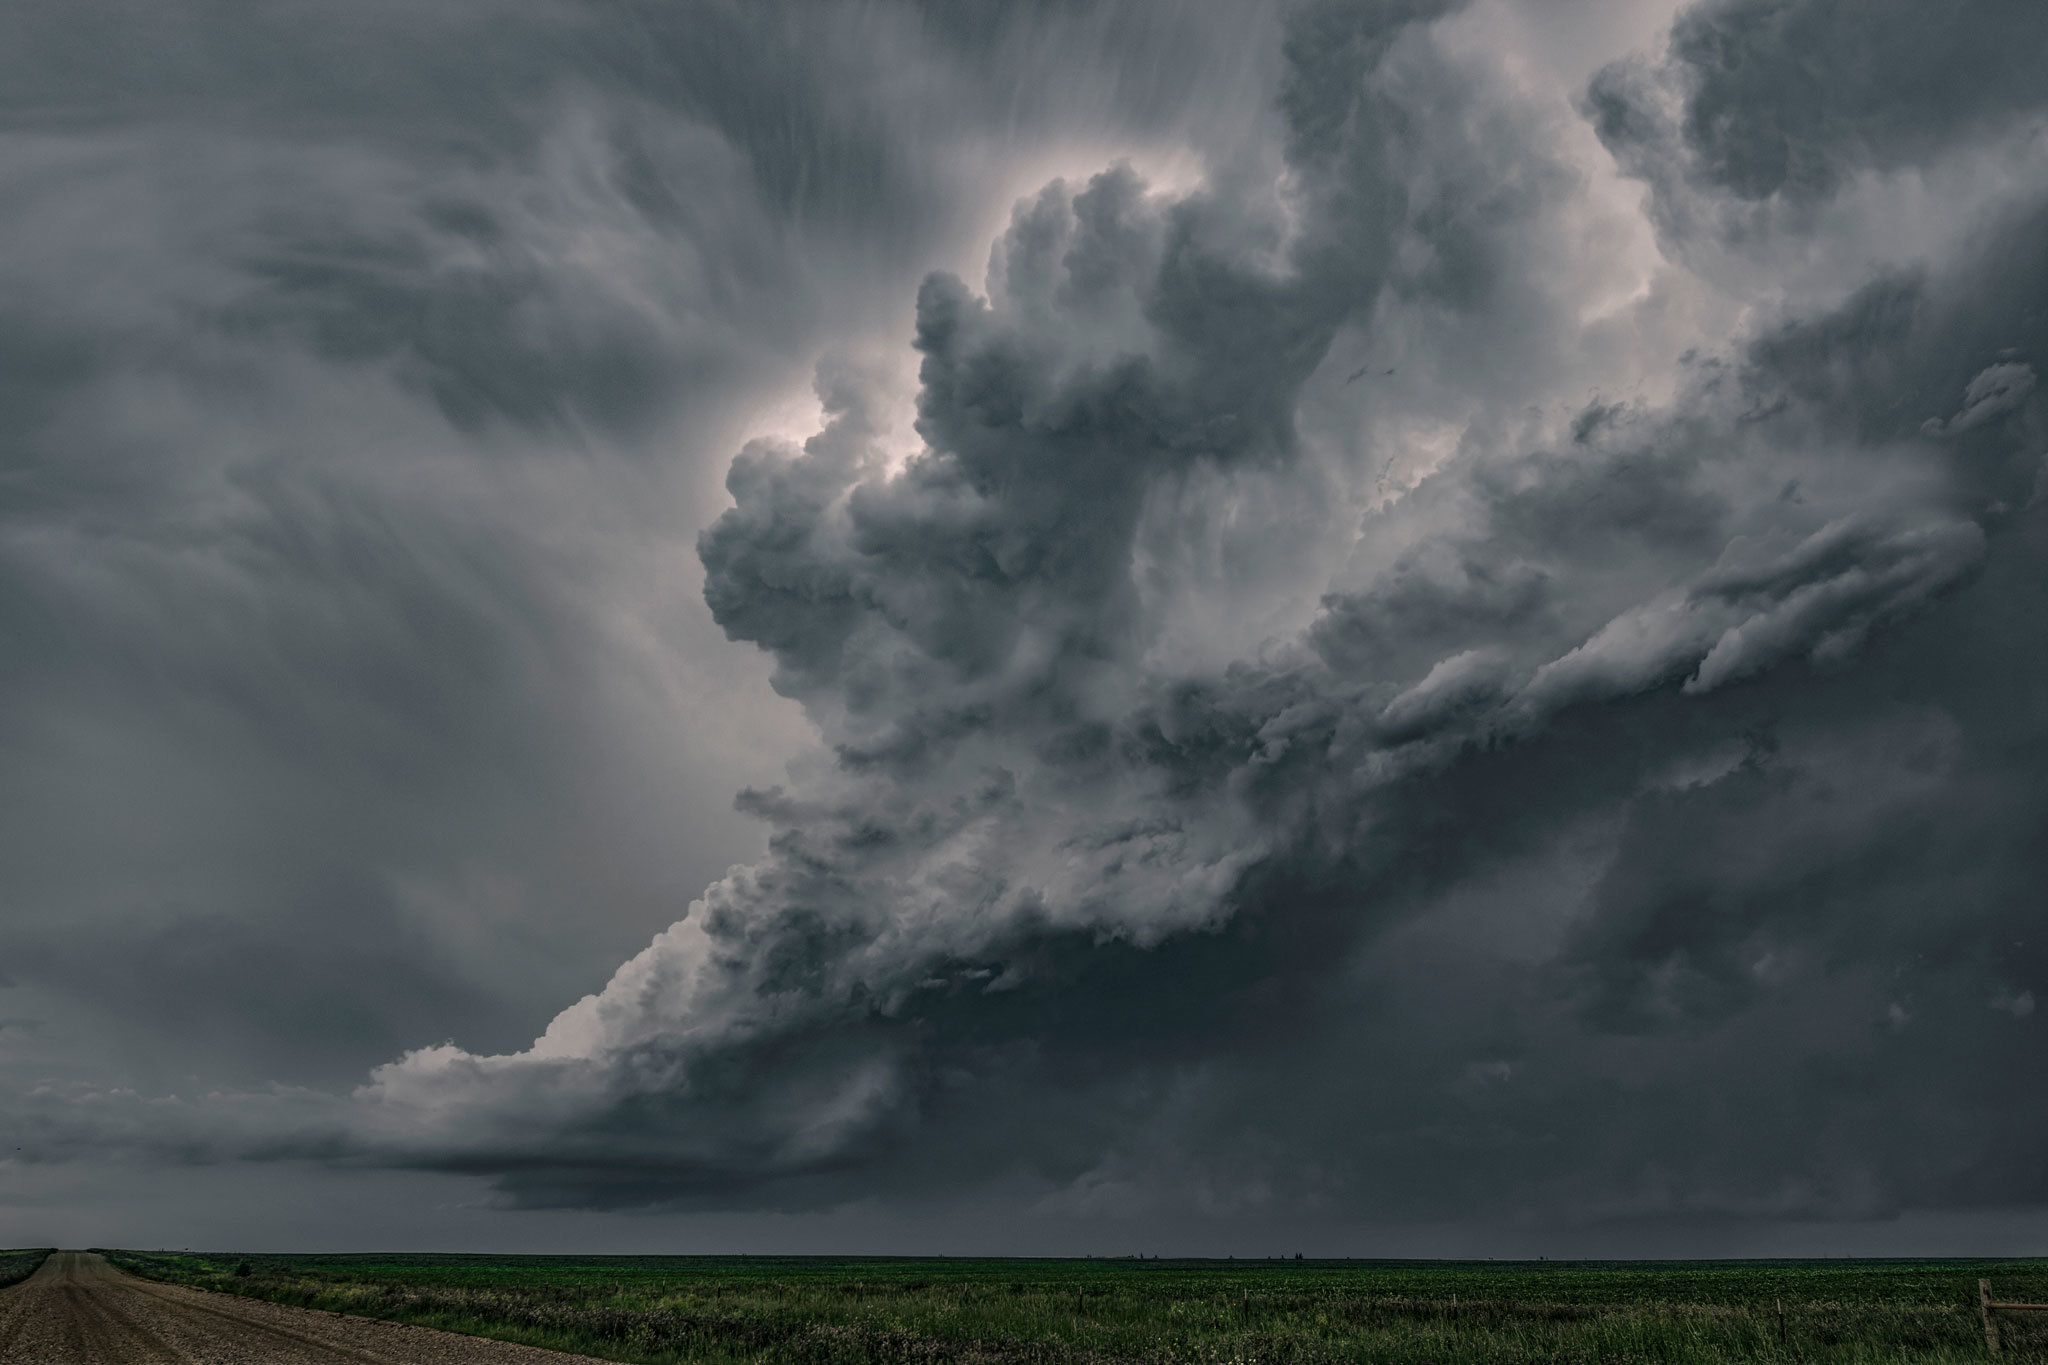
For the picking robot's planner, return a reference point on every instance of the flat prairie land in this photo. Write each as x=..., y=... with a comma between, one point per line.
x=872, y=1311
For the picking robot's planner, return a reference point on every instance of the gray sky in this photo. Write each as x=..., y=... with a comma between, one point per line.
x=1357, y=626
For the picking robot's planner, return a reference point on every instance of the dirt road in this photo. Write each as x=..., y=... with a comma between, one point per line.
x=79, y=1310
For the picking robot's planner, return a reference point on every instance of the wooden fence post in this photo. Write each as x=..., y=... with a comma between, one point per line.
x=1781, y=1322
x=1990, y=1323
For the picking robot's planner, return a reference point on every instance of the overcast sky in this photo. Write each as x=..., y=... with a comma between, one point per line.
x=1349, y=626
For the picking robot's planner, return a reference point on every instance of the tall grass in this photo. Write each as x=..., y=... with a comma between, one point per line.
x=799, y=1311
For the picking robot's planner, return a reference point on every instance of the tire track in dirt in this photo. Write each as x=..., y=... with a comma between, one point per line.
x=80, y=1310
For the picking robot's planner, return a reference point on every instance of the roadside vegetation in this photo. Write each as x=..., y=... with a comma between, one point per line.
x=822, y=1311
x=16, y=1266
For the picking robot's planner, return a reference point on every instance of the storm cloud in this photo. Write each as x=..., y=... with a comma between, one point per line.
x=1449, y=630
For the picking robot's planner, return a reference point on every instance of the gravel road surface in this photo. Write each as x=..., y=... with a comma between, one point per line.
x=79, y=1310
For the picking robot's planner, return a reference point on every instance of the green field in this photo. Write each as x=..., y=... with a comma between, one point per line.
x=16, y=1266
x=823, y=1311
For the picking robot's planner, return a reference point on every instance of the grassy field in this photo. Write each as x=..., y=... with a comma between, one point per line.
x=822, y=1311
x=16, y=1266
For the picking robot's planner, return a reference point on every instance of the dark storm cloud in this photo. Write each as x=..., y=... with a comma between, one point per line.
x=1794, y=97
x=357, y=368
x=1046, y=876
x=1585, y=767
x=950, y=625
x=300, y=635
x=1762, y=111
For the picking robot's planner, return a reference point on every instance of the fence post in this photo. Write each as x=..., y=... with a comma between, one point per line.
x=1990, y=1323
x=1781, y=1322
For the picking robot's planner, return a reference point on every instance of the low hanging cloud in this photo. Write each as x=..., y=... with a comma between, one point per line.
x=1626, y=813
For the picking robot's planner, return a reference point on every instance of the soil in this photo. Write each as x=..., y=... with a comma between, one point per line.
x=79, y=1310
